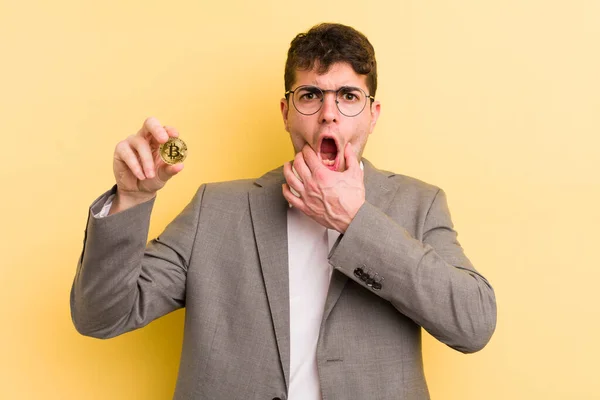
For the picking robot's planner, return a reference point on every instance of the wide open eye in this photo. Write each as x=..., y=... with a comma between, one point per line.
x=350, y=95
x=307, y=94
x=351, y=100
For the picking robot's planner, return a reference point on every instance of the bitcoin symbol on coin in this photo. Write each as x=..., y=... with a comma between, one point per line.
x=173, y=151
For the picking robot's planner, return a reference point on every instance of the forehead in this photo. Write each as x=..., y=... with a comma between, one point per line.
x=339, y=74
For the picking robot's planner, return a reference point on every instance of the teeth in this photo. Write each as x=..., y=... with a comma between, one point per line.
x=328, y=162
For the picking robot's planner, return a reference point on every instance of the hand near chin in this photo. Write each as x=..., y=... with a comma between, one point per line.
x=331, y=198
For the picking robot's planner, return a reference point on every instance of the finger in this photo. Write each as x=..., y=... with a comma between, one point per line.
x=301, y=168
x=125, y=153
x=154, y=129
x=171, y=131
x=296, y=173
x=292, y=200
x=311, y=158
x=142, y=148
x=166, y=171
x=292, y=179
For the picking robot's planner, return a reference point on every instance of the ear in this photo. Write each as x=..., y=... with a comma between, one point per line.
x=375, y=110
x=284, y=106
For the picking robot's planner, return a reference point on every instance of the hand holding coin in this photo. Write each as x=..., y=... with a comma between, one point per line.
x=144, y=162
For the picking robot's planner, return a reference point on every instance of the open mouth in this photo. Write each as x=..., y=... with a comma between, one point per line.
x=328, y=153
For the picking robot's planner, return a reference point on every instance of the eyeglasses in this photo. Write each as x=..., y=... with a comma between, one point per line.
x=349, y=100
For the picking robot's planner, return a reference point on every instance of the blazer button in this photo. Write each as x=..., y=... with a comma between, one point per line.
x=358, y=272
x=376, y=285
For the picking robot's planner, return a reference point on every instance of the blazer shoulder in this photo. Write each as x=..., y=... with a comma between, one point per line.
x=413, y=194
x=413, y=201
x=398, y=182
x=226, y=194
x=405, y=182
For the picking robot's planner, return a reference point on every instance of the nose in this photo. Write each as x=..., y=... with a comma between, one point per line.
x=329, y=110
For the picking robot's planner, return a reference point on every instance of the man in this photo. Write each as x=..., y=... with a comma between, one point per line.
x=310, y=282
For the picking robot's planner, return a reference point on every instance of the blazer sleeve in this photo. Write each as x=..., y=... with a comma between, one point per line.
x=430, y=281
x=122, y=282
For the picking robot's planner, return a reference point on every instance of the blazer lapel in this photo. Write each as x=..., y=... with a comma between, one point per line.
x=379, y=192
x=268, y=209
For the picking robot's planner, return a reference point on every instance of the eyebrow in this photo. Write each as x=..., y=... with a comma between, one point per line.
x=344, y=87
x=349, y=88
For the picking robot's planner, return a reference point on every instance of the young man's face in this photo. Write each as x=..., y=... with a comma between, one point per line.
x=328, y=130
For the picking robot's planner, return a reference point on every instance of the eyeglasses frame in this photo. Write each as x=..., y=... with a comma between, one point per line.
x=324, y=91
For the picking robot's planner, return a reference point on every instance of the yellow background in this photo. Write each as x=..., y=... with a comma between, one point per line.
x=497, y=102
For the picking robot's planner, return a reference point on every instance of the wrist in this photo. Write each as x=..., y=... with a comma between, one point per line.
x=124, y=200
x=351, y=214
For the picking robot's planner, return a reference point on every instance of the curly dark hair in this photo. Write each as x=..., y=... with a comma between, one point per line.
x=326, y=44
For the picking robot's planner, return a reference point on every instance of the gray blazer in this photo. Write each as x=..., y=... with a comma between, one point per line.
x=397, y=268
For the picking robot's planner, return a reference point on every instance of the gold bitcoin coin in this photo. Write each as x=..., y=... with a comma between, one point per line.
x=173, y=151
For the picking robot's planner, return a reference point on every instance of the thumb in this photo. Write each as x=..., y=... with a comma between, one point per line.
x=351, y=159
x=166, y=171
